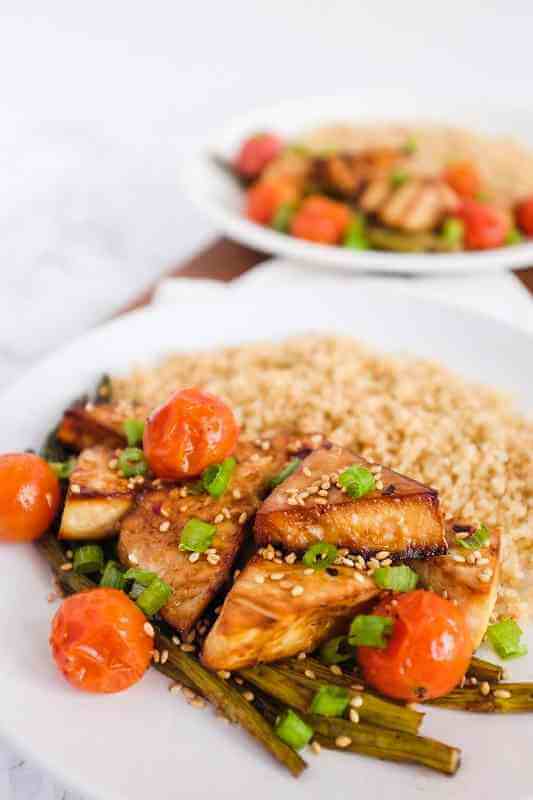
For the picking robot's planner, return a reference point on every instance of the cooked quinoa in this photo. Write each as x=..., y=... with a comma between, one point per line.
x=412, y=415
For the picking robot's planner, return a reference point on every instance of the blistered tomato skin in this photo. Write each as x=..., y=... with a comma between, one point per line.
x=99, y=643
x=429, y=650
x=191, y=431
x=29, y=497
x=256, y=152
x=485, y=226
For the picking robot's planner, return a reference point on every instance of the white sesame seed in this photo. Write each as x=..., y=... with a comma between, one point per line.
x=243, y=517
x=148, y=629
x=484, y=688
x=310, y=674
x=132, y=558
x=356, y=701
x=382, y=554
x=343, y=741
x=218, y=519
x=236, y=494
x=308, y=572
x=188, y=648
x=458, y=558
x=296, y=591
x=259, y=578
x=290, y=558
x=75, y=488
x=248, y=696
x=306, y=471
x=175, y=688
x=301, y=656
x=316, y=748
x=193, y=557
x=335, y=669
x=354, y=716
x=277, y=576
x=502, y=694
x=165, y=526
x=164, y=656
x=224, y=674
x=66, y=567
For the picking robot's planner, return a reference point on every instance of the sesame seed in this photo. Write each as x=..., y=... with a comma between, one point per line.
x=382, y=555
x=502, y=694
x=473, y=681
x=176, y=640
x=458, y=558
x=113, y=463
x=484, y=688
x=66, y=567
x=165, y=526
x=277, y=576
x=292, y=501
x=343, y=741
x=259, y=578
x=248, y=696
x=357, y=687
x=387, y=562
x=380, y=485
x=198, y=702
x=306, y=471
x=236, y=494
x=75, y=488
x=188, y=648
x=238, y=681
x=193, y=557
x=213, y=559
x=155, y=656
x=301, y=656
x=354, y=716
x=315, y=747
x=309, y=571
x=218, y=519
x=148, y=629
x=290, y=558
x=296, y=591
x=224, y=674
x=310, y=674
x=243, y=517
x=132, y=558
x=175, y=688
x=188, y=694
x=335, y=669
x=356, y=701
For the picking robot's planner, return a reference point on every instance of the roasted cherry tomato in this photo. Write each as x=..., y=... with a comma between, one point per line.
x=485, y=226
x=464, y=178
x=524, y=215
x=188, y=433
x=265, y=197
x=256, y=152
x=29, y=497
x=99, y=642
x=320, y=219
x=428, y=652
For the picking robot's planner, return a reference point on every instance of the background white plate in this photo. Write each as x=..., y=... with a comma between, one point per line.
x=144, y=743
x=219, y=196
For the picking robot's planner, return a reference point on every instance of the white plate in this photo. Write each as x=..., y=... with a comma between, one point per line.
x=217, y=194
x=146, y=744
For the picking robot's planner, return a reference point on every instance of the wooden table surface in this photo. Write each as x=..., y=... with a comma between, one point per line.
x=225, y=260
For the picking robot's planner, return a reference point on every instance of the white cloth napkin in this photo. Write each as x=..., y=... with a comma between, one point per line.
x=502, y=295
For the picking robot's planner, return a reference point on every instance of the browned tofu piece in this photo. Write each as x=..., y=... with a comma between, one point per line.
x=403, y=518
x=274, y=611
x=87, y=424
x=150, y=535
x=468, y=578
x=97, y=497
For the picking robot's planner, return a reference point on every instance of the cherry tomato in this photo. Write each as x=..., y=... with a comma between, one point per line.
x=188, y=433
x=524, y=215
x=320, y=219
x=98, y=641
x=428, y=652
x=29, y=497
x=464, y=178
x=485, y=226
x=265, y=197
x=256, y=152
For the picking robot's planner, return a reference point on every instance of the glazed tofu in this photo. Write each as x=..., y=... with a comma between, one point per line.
x=468, y=578
x=274, y=611
x=87, y=424
x=97, y=497
x=150, y=535
x=402, y=518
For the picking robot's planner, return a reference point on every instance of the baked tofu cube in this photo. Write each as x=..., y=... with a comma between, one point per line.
x=402, y=518
x=97, y=497
x=87, y=424
x=150, y=535
x=274, y=611
x=468, y=578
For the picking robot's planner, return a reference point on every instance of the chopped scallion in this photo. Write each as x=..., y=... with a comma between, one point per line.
x=398, y=179
x=154, y=597
x=283, y=216
x=357, y=481
x=197, y=536
x=476, y=540
x=63, y=469
x=330, y=701
x=505, y=638
x=411, y=146
x=320, y=555
x=132, y=462
x=285, y=473
x=370, y=631
x=453, y=231
x=142, y=576
x=134, y=430
x=112, y=576
x=217, y=477
x=292, y=730
x=396, y=579
x=88, y=558
x=331, y=651
x=355, y=236
x=514, y=237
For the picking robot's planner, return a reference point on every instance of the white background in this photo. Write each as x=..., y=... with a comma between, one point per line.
x=100, y=100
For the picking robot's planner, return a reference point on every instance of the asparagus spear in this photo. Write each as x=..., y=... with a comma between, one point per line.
x=502, y=698
x=374, y=709
x=485, y=670
x=187, y=670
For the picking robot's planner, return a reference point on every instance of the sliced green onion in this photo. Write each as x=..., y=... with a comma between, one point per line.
x=292, y=730
x=398, y=179
x=505, y=637
x=411, y=146
x=514, y=237
x=88, y=558
x=142, y=576
x=112, y=576
x=355, y=236
x=331, y=651
x=330, y=701
x=479, y=538
x=134, y=430
x=396, y=579
x=453, y=231
x=132, y=462
x=285, y=473
x=320, y=555
x=357, y=481
x=197, y=536
x=283, y=216
x=370, y=631
x=63, y=469
x=154, y=597
x=217, y=477
x=136, y=590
